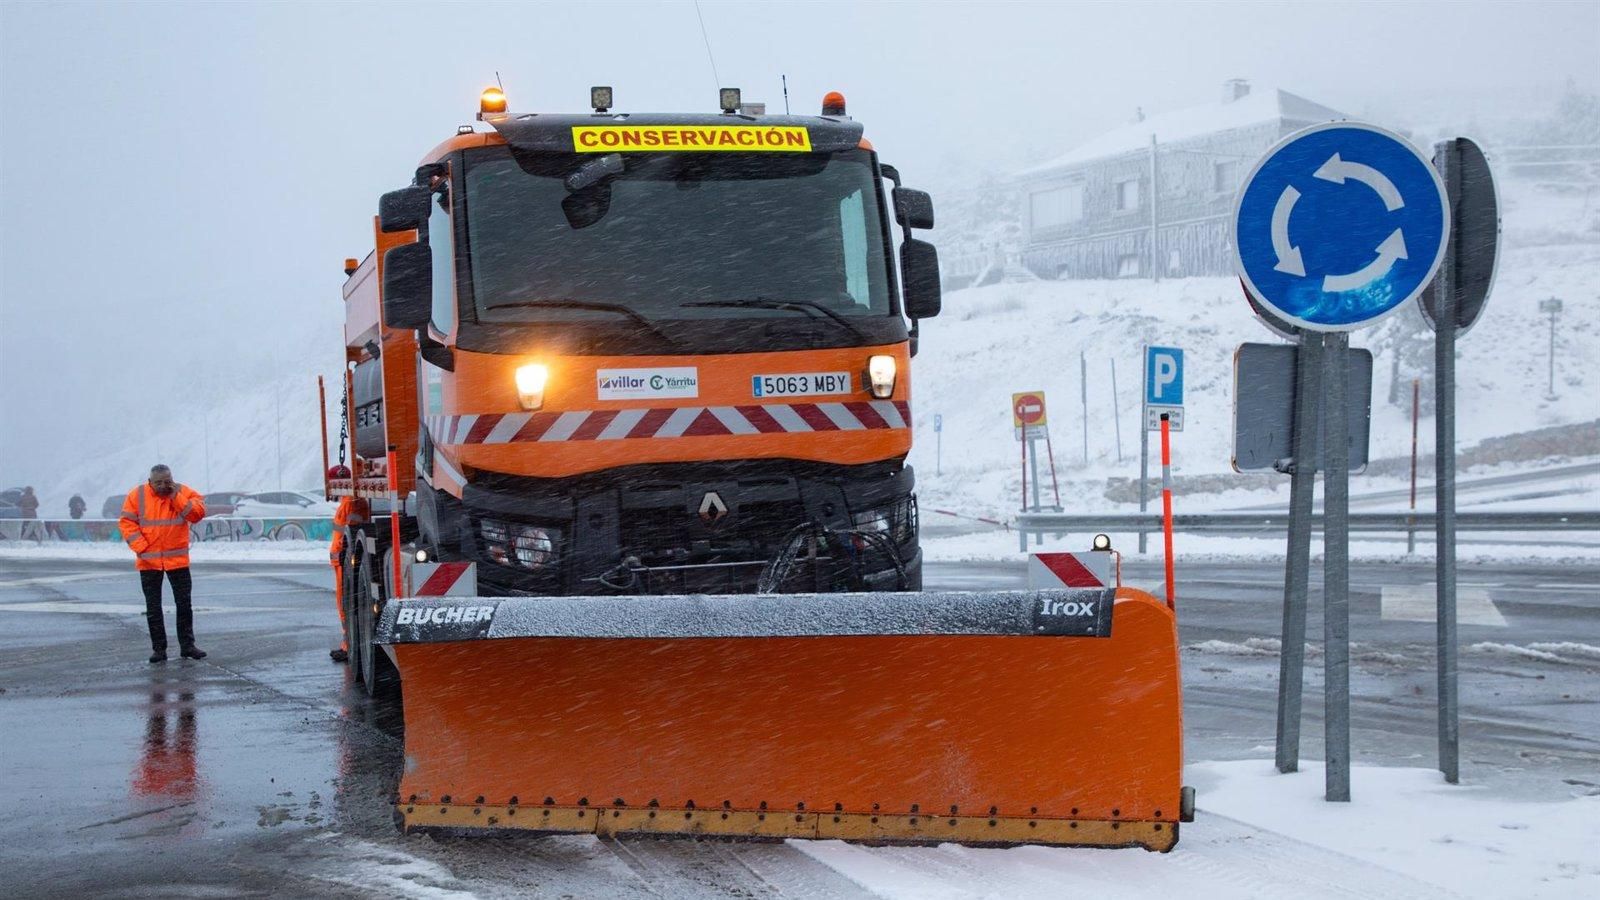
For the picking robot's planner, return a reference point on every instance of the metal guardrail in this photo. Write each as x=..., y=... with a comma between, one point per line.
x=1255, y=523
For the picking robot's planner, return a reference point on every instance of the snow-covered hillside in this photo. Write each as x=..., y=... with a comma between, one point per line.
x=993, y=341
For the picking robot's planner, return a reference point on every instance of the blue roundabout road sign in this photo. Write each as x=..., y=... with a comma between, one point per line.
x=1339, y=225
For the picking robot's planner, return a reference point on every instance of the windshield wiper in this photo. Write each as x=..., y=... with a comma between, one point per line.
x=618, y=308
x=798, y=305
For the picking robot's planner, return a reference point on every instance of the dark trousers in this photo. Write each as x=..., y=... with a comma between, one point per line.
x=150, y=580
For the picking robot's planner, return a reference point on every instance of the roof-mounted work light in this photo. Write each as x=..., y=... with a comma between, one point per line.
x=600, y=98
x=729, y=98
x=833, y=104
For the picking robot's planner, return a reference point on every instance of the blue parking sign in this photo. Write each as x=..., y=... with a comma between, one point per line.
x=1163, y=376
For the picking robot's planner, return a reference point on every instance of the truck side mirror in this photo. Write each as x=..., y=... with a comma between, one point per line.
x=913, y=208
x=407, y=286
x=919, y=269
x=403, y=210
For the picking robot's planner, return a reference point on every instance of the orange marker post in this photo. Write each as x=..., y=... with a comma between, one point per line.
x=394, y=520
x=1166, y=502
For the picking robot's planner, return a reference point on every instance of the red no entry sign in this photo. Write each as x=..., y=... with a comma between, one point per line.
x=1027, y=409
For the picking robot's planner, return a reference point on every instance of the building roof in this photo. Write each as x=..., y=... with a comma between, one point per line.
x=1258, y=106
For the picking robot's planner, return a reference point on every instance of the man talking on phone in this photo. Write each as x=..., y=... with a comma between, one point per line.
x=155, y=523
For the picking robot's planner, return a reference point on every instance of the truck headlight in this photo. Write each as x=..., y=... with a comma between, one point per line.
x=880, y=376
x=531, y=380
x=535, y=547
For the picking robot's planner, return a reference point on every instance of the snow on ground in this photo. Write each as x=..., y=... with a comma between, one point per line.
x=1259, y=833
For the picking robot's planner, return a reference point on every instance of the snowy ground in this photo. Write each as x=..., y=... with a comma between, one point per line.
x=1262, y=834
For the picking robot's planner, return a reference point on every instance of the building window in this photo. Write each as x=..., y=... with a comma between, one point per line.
x=1127, y=266
x=1225, y=176
x=1174, y=263
x=1128, y=194
x=1056, y=207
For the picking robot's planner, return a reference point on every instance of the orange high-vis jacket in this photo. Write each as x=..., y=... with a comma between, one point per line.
x=157, y=527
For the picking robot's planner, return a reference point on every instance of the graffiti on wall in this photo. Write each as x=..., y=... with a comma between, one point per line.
x=218, y=528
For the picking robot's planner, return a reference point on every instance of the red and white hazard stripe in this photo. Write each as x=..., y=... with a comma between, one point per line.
x=1050, y=571
x=446, y=579
x=684, y=421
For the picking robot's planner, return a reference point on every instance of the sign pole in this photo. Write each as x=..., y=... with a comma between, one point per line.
x=1297, y=565
x=1083, y=382
x=1144, y=448
x=1033, y=469
x=1336, y=569
x=1411, y=526
x=1444, y=452
x=1050, y=454
x=1166, y=504
x=1116, y=408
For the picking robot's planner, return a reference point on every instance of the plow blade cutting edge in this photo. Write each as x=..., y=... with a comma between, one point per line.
x=982, y=718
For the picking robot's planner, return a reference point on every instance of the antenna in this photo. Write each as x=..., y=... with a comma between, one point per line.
x=717, y=78
x=498, y=83
x=785, y=94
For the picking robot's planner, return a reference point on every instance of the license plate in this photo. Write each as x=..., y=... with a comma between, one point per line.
x=800, y=384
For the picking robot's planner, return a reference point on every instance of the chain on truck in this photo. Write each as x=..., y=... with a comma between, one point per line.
x=601, y=366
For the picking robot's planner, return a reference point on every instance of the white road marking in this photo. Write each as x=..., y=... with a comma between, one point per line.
x=1419, y=603
x=60, y=579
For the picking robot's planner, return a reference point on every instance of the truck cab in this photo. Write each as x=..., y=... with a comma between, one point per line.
x=645, y=353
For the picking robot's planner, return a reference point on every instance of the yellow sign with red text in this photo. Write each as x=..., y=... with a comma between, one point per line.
x=690, y=138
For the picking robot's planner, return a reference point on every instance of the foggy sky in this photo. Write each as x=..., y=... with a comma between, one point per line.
x=179, y=183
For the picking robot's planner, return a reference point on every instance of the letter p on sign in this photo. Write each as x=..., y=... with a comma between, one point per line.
x=1163, y=376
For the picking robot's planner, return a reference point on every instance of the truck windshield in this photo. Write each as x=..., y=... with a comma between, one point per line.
x=676, y=236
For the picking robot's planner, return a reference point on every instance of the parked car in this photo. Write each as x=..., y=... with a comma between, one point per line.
x=222, y=503
x=293, y=504
x=9, y=508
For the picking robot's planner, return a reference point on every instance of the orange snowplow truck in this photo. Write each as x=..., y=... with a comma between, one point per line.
x=646, y=555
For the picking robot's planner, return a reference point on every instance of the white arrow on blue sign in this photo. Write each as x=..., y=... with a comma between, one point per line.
x=1340, y=225
x=1163, y=376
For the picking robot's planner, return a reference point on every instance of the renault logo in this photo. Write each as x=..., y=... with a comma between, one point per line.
x=712, y=509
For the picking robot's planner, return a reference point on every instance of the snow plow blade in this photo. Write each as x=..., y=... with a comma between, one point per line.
x=982, y=718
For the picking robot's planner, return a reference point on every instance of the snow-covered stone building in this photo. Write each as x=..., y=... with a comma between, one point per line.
x=1154, y=197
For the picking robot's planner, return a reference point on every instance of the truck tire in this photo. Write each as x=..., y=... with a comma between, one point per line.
x=378, y=676
x=354, y=590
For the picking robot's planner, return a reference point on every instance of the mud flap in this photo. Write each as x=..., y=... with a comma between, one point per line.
x=983, y=718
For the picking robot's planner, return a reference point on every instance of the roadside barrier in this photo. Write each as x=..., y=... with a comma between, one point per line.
x=217, y=528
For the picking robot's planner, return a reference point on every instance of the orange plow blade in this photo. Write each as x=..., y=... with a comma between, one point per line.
x=984, y=718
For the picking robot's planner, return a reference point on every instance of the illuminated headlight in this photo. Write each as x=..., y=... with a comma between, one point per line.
x=535, y=547
x=897, y=522
x=1102, y=542
x=422, y=556
x=530, y=384
x=880, y=376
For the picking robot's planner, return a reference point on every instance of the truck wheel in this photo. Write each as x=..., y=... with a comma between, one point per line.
x=378, y=675
x=354, y=590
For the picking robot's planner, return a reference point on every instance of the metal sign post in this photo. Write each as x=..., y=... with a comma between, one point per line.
x=938, y=444
x=1336, y=227
x=1297, y=562
x=1453, y=305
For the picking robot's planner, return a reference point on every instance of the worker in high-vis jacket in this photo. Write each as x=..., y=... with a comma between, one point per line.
x=155, y=523
x=350, y=511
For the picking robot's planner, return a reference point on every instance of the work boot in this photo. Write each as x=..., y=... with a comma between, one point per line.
x=193, y=653
x=158, y=656
x=339, y=655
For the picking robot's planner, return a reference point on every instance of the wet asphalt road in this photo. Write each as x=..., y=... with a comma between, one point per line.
x=261, y=771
